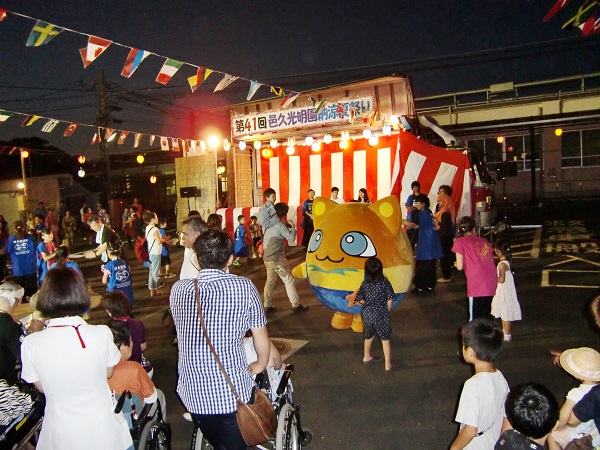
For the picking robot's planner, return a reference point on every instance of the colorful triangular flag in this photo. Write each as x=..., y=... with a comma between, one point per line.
x=137, y=139
x=226, y=81
x=49, y=126
x=277, y=91
x=196, y=80
x=175, y=145
x=560, y=4
x=70, y=129
x=29, y=120
x=289, y=99
x=110, y=134
x=254, y=85
x=42, y=33
x=590, y=26
x=134, y=59
x=164, y=144
x=169, y=68
x=122, y=137
x=94, y=49
x=4, y=115
x=96, y=138
x=152, y=137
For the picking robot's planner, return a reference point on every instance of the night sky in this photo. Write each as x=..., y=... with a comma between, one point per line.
x=445, y=46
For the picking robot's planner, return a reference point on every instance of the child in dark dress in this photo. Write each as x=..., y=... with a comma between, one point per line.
x=376, y=295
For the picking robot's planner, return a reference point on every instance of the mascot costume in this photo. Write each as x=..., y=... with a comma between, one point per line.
x=344, y=237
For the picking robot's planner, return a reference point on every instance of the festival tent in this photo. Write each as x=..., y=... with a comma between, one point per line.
x=387, y=168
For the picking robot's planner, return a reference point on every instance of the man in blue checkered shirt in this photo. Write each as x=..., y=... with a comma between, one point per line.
x=230, y=306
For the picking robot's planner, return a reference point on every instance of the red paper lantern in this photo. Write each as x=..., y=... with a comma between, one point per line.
x=81, y=159
x=24, y=154
x=152, y=179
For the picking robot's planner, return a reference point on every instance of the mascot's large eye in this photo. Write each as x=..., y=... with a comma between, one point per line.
x=315, y=241
x=358, y=244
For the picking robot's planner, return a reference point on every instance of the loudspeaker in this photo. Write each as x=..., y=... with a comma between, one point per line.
x=190, y=191
x=506, y=169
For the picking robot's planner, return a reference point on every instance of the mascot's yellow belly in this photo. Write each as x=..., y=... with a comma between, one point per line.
x=345, y=237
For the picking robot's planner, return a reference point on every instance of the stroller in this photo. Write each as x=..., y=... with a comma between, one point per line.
x=147, y=426
x=289, y=434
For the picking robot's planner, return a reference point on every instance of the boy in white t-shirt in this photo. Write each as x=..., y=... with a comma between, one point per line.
x=481, y=406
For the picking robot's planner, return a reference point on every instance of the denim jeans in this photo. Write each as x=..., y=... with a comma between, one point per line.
x=221, y=430
x=153, y=271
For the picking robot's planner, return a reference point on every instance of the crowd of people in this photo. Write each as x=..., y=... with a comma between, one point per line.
x=62, y=355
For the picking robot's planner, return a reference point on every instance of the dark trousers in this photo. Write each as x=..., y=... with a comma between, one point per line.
x=220, y=430
x=480, y=307
x=425, y=274
x=308, y=231
x=446, y=261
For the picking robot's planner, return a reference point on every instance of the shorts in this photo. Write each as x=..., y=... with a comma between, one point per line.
x=165, y=260
x=256, y=240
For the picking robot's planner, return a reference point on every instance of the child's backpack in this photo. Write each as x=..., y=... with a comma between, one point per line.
x=141, y=249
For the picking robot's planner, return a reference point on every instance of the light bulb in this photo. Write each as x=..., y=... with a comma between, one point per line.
x=316, y=147
x=257, y=145
x=327, y=138
x=373, y=140
x=273, y=143
x=366, y=133
x=309, y=141
x=242, y=145
x=226, y=145
x=290, y=150
x=387, y=130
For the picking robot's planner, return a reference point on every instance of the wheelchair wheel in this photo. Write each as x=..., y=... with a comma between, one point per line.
x=155, y=436
x=198, y=441
x=287, y=437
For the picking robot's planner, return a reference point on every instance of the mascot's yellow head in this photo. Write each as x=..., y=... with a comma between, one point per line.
x=344, y=237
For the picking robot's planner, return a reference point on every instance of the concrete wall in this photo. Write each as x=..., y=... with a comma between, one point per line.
x=13, y=202
x=199, y=171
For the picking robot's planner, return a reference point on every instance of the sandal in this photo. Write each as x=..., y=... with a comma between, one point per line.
x=156, y=293
x=373, y=360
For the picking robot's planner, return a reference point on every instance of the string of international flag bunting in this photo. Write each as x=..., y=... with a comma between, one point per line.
x=43, y=32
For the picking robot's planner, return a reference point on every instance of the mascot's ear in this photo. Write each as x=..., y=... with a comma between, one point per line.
x=388, y=211
x=321, y=207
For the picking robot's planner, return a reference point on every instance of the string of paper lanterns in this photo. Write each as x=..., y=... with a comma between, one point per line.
x=315, y=145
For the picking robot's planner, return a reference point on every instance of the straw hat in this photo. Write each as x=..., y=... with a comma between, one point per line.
x=37, y=315
x=583, y=363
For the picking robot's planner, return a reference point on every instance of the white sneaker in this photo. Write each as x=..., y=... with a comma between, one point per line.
x=508, y=337
x=187, y=416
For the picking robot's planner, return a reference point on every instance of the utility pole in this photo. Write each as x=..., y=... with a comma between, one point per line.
x=102, y=121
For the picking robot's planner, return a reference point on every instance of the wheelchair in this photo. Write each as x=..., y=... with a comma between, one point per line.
x=289, y=434
x=147, y=426
x=26, y=428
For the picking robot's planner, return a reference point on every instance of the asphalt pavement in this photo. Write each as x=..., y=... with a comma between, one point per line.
x=351, y=406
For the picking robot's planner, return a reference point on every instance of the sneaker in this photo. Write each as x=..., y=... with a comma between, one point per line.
x=169, y=275
x=300, y=308
x=417, y=291
x=508, y=337
x=187, y=416
x=159, y=285
x=444, y=280
x=236, y=264
x=269, y=309
x=254, y=256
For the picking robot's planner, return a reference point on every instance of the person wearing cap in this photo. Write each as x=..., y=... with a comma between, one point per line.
x=11, y=331
x=584, y=364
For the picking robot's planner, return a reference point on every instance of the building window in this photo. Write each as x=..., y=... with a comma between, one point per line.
x=518, y=149
x=590, y=147
x=581, y=148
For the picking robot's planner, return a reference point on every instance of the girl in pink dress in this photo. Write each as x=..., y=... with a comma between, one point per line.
x=505, y=304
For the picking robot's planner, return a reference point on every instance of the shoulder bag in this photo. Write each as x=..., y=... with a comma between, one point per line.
x=257, y=421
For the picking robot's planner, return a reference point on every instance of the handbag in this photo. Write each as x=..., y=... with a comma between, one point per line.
x=582, y=443
x=257, y=421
